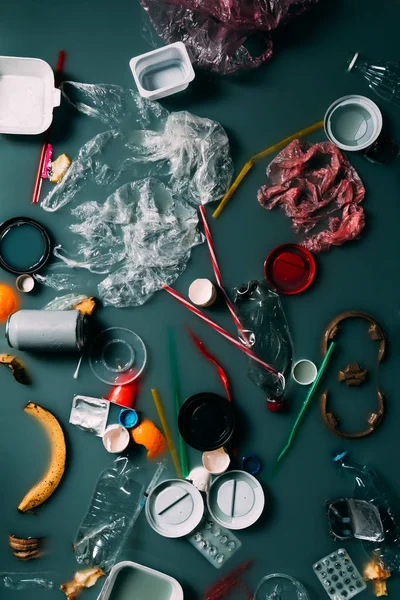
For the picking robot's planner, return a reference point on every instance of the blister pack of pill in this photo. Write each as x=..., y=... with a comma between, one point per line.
x=216, y=543
x=338, y=576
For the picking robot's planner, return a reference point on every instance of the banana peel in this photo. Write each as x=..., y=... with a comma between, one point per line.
x=374, y=572
x=17, y=367
x=82, y=579
x=45, y=487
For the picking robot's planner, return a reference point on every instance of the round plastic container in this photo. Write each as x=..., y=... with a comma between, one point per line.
x=304, y=371
x=353, y=123
x=289, y=268
x=206, y=421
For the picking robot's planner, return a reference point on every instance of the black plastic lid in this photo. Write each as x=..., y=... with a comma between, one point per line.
x=206, y=421
x=24, y=245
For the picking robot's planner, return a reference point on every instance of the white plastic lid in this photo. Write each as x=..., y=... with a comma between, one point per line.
x=174, y=508
x=353, y=123
x=236, y=500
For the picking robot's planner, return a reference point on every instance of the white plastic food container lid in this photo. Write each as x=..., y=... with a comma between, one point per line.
x=27, y=95
x=353, y=123
x=162, y=72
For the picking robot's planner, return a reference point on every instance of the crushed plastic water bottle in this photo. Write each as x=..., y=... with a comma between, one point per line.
x=267, y=331
x=383, y=77
x=117, y=501
x=368, y=487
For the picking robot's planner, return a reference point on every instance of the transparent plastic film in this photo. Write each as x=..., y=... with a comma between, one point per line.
x=368, y=487
x=264, y=322
x=21, y=582
x=140, y=235
x=117, y=501
x=66, y=302
x=216, y=32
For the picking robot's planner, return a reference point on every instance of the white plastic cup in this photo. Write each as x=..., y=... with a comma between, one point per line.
x=304, y=371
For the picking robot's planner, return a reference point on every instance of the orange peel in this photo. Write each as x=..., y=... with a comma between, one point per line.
x=9, y=301
x=146, y=434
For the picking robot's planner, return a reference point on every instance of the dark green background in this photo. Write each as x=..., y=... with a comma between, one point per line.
x=256, y=108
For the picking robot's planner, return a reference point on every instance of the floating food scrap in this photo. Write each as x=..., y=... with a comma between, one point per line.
x=146, y=434
x=374, y=572
x=44, y=488
x=87, y=306
x=82, y=579
x=310, y=183
x=9, y=302
x=59, y=167
x=353, y=375
x=17, y=367
x=26, y=548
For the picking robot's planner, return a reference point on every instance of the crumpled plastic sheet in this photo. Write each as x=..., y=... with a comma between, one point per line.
x=66, y=302
x=310, y=183
x=141, y=235
x=215, y=31
x=18, y=582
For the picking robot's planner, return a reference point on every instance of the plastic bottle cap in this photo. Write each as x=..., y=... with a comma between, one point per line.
x=289, y=268
x=174, y=508
x=128, y=418
x=304, y=371
x=236, y=500
x=251, y=464
x=353, y=123
x=206, y=421
x=25, y=283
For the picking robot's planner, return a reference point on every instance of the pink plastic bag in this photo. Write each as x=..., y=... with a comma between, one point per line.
x=215, y=31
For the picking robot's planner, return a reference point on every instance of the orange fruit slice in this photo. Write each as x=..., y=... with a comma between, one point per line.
x=146, y=434
x=9, y=301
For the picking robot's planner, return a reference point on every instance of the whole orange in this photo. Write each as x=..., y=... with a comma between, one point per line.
x=9, y=301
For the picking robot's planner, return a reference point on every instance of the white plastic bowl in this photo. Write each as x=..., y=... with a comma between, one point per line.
x=27, y=95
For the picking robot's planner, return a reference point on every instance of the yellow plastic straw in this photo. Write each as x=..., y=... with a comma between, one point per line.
x=167, y=432
x=250, y=163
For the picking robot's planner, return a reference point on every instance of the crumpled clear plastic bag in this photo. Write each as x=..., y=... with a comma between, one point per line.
x=264, y=323
x=215, y=31
x=141, y=235
x=368, y=487
x=66, y=302
x=19, y=582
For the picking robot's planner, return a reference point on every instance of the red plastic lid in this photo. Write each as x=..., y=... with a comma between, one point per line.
x=289, y=268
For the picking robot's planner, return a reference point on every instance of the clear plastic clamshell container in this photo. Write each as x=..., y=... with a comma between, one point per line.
x=129, y=580
x=27, y=95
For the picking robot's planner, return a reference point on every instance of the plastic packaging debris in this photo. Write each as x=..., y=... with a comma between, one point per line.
x=20, y=582
x=373, y=572
x=368, y=487
x=304, y=371
x=214, y=542
x=309, y=194
x=124, y=394
x=128, y=418
x=233, y=580
x=353, y=123
x=289, y=269
x=66, y=302
x=350, y=518
x=162, y=72
x=17, y=368
x=207, y=354
x=82, y=579
x=338, y=576
x=90, y=414
x=142, y=234
x=117, y=501
x=383, y=77
x=215, y=32
x=117, y=355
x=264, y=322
x=25, y=246
x=26, y=548
x=279, y=586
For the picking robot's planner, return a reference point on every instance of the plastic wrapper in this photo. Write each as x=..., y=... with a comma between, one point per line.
x=20, y=582
x=90, y=414
x=264, y=323
x=141, y=235
x=279, y=586
x=117, y=501
x=66, y=302
x=368, y=487
x=216, y=32
x=311, y=183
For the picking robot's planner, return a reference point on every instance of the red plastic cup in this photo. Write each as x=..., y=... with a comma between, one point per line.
x=289, y=268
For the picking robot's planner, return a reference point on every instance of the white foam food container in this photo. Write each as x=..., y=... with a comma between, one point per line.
x=27, y=95
x=162, y=72
x=107, y=589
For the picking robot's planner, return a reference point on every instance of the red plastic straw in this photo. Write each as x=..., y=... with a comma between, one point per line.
x=207, y=354
x=38, y=179
x=222, y=332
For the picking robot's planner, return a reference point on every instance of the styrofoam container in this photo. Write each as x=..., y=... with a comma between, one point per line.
x=171, y=590
x=27, y=95
x=162, y=72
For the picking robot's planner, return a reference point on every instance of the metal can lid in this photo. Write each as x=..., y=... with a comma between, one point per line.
x=353, y=122
x=236, y=500
x=174, y=508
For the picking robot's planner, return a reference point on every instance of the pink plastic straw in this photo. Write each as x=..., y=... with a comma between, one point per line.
x=222, y=332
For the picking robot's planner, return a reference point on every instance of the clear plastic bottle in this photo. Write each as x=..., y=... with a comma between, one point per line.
x=383, y=77
x=264, y=323
x=117, y=501
x=367, y=486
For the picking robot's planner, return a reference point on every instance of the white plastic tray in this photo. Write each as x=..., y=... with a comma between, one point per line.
x=27, y=95
x=176, y=589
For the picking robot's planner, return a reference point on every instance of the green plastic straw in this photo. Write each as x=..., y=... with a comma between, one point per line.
x=177, y=395
x=306, y=402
